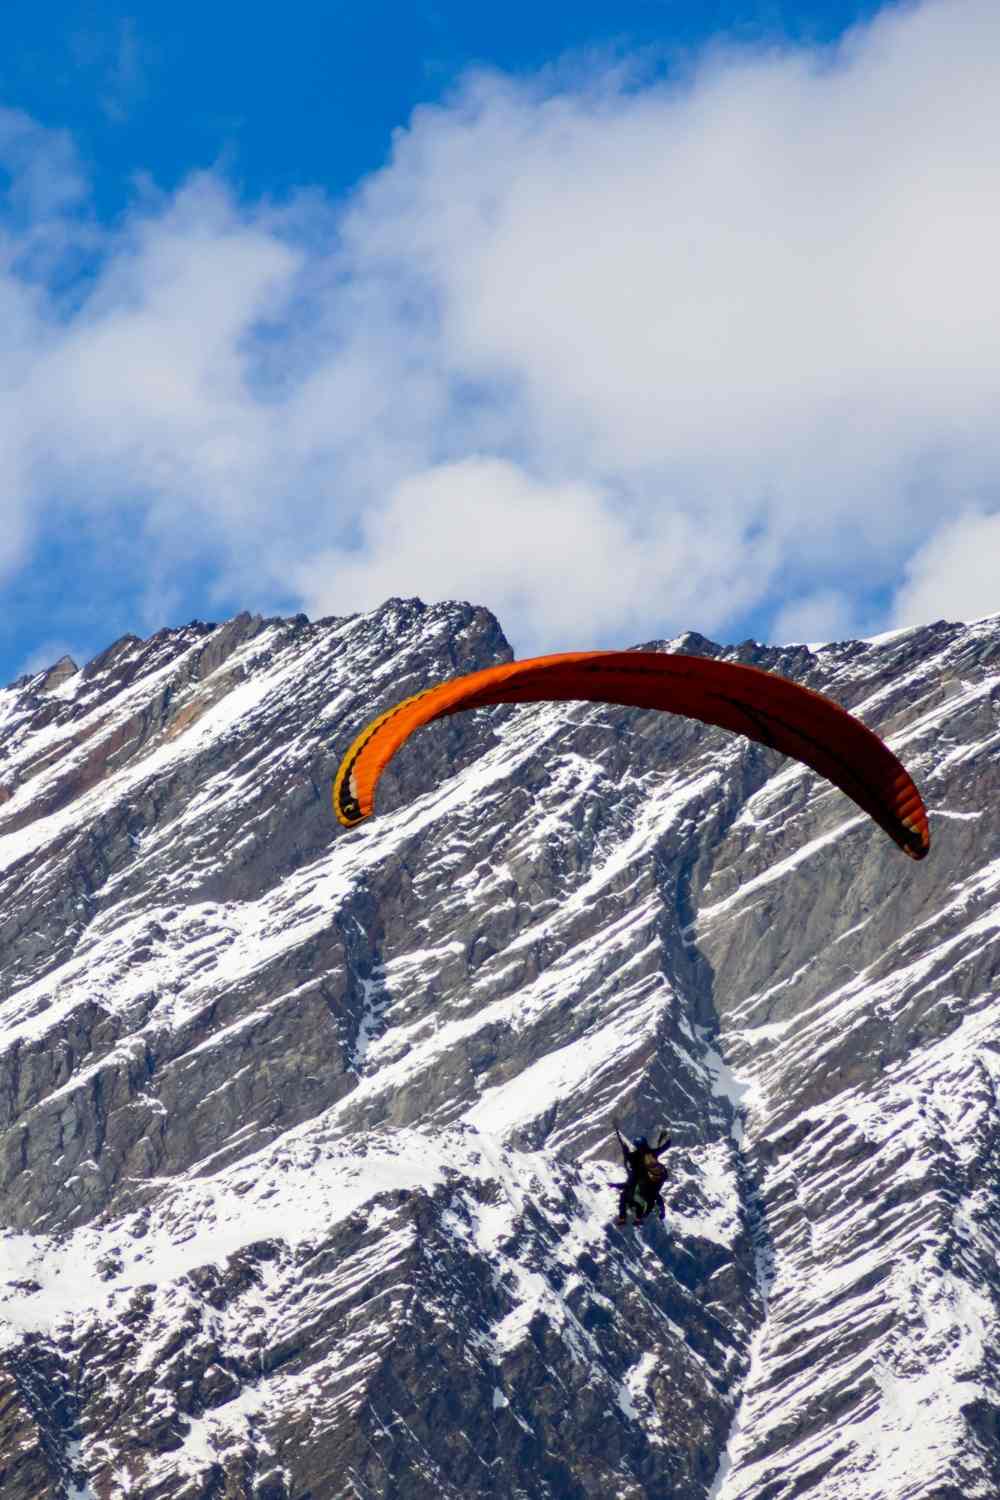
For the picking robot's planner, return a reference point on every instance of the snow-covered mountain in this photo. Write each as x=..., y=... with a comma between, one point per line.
x=306, y=1135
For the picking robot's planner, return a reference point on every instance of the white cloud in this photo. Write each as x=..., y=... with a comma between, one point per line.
x=150, y=379
x=558, y=563
x=43, y=175
x=613, y=357
x=955, y=575
x=826, y=615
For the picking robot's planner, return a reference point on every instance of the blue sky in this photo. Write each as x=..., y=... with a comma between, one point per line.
x=619, y=319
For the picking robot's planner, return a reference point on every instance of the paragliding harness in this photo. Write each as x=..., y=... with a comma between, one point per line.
x=646, y=1177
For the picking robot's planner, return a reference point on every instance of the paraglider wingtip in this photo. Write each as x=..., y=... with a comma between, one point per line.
x=347, y=809
x=916, y=841
x=347, y=821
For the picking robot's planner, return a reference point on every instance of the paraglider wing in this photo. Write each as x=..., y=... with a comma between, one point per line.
x=766, y=708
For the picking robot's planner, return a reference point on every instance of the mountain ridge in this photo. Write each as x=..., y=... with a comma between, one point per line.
x=305, y=1134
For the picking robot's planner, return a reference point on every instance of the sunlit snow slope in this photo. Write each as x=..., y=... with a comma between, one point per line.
x=305, y=1134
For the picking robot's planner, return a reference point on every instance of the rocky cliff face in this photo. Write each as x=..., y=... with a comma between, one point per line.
x=304, y=1134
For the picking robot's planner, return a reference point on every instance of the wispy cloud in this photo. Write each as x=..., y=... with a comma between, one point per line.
x=612, y=357
x=126, y=74
x=955, y=574
x=116, y=58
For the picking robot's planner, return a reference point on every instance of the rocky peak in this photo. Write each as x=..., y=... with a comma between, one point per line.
x=56, y=675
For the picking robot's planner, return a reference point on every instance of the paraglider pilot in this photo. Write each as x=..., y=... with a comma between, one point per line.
x=646, y=1176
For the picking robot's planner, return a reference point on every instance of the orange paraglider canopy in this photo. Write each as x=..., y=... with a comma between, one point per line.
x=763, y=706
